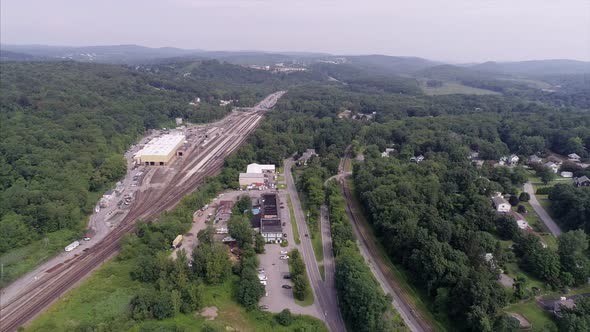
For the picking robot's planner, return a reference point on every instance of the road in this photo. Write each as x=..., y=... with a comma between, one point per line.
x=545, y=217
x=324, y=291
x=200, y=161
x=378, y=264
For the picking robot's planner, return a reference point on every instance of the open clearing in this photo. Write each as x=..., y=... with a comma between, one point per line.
x=450, y=88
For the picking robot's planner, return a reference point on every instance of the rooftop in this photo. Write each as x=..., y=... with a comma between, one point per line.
x=258, y=168
x=161, y=146
x=252, y=175
x=270, y=226
x=269, y=206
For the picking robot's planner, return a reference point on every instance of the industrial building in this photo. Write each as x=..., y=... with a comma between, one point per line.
x=270, y=220
x=160, y=150
x=258, y=168
x=251, y=179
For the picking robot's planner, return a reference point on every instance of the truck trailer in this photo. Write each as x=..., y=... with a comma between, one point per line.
x=72, y=246
x=177, y=241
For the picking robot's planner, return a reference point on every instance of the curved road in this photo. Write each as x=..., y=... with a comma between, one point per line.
x=324, y=291
x=545, y=217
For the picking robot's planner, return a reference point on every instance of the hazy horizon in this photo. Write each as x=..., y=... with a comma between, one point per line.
x=457, y=31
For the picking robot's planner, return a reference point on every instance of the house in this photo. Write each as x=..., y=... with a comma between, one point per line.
x=534, y=159
x=473, y=155
x=522, y=224
x=566, y=174
x=562, y=303
x=417, y=159
x=387, y=152
x=305, y=156
x=573, y=157
x=513, y=160
x=582, y=181
x=552, y=166
x=500, y=204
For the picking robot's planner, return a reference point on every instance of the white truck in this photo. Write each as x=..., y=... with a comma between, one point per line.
x=72, y=246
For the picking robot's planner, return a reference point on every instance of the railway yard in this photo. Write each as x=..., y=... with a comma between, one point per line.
x=152, y=190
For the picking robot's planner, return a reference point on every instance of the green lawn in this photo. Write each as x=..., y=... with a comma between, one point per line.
x=104, y=297
x=533, y=313
x=293, y=221
x=318, y=246
x=22, y=260
x=455, y=88
x=403, y=278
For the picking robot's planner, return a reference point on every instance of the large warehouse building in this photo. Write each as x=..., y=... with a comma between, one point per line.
x=160, y=150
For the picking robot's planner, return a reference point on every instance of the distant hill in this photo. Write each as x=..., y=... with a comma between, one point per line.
x=16, y=56
x=390, y=64
x=535, y=67
x=106, y=54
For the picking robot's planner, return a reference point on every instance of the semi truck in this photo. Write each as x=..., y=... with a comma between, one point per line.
x=177, y=241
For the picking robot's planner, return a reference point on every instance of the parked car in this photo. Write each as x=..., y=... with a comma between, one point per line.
x=284, y=252
x=87, y=239
x=287, y=276
x=283, y=257
x=263, y=307
x=306, y=235
x=263, y=282
x=286, y=287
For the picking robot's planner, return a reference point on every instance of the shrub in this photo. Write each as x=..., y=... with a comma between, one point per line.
x=284, y=317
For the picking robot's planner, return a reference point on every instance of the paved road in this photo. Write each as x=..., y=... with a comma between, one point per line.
x=545, y=217
x=324, y=294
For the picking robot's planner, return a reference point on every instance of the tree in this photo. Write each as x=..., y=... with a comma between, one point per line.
x=513, y=200
x=211, y=262
x=259, y=243
x=546, y=175
x=240, y=229
x=524, y=196
x=520, y=287
x=521, y=209
x=573, y=255
x=250, y=290
x=284, y=317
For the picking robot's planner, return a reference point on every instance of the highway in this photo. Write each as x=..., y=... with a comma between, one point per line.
x=378, y=264
x=545, y=217
x=324, y=291
x=150, y=202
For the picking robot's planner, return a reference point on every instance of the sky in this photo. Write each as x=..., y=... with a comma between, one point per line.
x=444, y=30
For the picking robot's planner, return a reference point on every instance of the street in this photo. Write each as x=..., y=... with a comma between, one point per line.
x=545, y=217
x=324, y=291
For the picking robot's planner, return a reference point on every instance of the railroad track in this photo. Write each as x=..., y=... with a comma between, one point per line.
x=148, y=204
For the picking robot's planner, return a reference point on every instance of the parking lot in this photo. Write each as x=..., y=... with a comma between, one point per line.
x=277, y=297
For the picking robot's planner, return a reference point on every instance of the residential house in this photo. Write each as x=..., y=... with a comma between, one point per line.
x=582, y=181
x=522, y=224
x=305, y=156
x=552, y=166
x=562, y=303
x=566, y=174
x=417, y=159
x=500, y=204
x=513, y=160
x=573, y=157
x=534, y=159
x=387, y=152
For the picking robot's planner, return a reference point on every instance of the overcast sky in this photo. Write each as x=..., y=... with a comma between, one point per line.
x=448, y=30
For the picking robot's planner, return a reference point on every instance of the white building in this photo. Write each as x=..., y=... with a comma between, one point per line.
x=258, y=168
x=566, y=174
x=160, y=150
x=387, y=152
x=500, y=204
x=522, y=224
x=513, y=160
x=573, y=157
x=552, y=166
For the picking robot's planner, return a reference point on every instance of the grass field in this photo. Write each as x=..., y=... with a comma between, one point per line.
x=449, y=88
x=293, y=221
x=22, y=260
x=420, y=300
x=103, y=300
x=534, y=314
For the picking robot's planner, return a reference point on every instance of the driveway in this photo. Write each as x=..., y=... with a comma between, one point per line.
x=545, y=217
x=324, y=295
